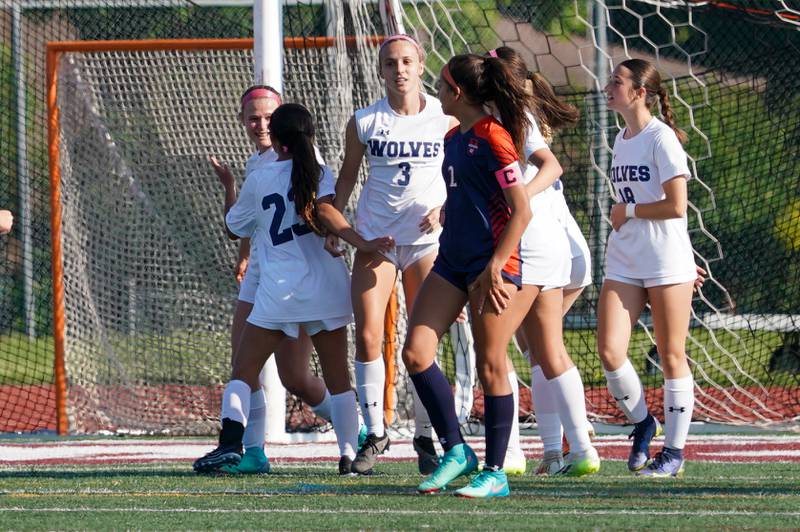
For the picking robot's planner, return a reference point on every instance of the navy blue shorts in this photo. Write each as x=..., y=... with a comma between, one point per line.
x=462, y=279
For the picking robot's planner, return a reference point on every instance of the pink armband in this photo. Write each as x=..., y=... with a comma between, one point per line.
x=510, y=175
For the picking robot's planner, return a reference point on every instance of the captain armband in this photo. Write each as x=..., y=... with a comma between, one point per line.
x=510, y=175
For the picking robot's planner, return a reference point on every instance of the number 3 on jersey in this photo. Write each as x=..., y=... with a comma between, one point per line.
x=405, y=174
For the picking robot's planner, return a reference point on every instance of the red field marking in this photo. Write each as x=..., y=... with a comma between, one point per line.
x=751, y=449
x=187, y=409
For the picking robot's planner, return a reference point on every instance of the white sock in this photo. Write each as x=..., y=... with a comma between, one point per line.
x=255, y=431
x=370, y=380
x=546, y=411
x=236, y=402
x=567, y=389
x=626, y=388
x=422, y=422
x=678, y=408
x=323, y=409
x=514, y=445
x=344, y=417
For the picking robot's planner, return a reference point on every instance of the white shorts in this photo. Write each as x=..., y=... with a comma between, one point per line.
x=405, y=255
x=249, y=285
x=654, y=281
x=310, y=327
x=544, y=249
x=580, y=274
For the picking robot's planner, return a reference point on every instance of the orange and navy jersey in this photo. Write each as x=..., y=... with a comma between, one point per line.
x=476, y=211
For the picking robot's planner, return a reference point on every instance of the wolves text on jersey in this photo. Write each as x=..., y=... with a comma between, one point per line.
x=391, y=148
x=628, y=173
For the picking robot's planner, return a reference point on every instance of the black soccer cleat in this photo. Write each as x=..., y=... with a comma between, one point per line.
x=228, y=452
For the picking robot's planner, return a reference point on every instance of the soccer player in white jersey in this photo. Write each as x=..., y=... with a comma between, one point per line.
x=401, y=136
x=284, y=205
x=256, y=107
x=648, y=259
x=546, y=264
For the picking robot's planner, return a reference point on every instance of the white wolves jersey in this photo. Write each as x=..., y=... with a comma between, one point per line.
x=249, y=285
x=645, y=249
x=405, y=170
x=299, y=280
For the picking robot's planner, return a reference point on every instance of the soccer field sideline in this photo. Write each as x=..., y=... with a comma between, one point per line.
x=700, y=448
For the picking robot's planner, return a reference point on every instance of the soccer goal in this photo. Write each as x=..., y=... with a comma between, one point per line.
x=139, y=94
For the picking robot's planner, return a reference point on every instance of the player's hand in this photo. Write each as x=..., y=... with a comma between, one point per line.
x=701, y=278
x=6, y=221
x=240, y=269
x=380, y=244
x=223, y=172
x=332, y=245
x=491, y=289
x=618, y=217
x=430, y=222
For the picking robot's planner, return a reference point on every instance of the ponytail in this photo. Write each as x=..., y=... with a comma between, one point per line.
x=510, y=98
x=485, y=79
x=552, y=111
x=669, y=117
x=293, y=127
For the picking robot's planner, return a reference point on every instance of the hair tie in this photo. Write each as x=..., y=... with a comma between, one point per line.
x=261, y=92
x=284, y=149
x=493, y=52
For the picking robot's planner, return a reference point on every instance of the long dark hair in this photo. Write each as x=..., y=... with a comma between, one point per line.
x=644, y=74
x=551, y=111
x=293, y=127
x=490, y=79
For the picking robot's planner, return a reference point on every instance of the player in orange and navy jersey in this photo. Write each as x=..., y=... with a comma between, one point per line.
x=478, y=203
x=486, y=212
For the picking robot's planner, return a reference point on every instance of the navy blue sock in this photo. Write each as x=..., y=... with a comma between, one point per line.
x=436, y=395
x=499, y=412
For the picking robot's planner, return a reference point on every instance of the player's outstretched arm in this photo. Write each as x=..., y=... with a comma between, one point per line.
x=348, y=174
x=228, y=183
x=337, y=224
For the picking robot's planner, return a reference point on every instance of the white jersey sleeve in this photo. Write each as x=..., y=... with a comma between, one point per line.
x=241, y=218
x=670, y=158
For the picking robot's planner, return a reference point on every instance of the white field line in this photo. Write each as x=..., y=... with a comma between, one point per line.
x=647, y=512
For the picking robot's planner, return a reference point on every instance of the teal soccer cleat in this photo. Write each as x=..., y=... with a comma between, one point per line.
x=486, y=484
x=254, y=462
x=458, y=461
